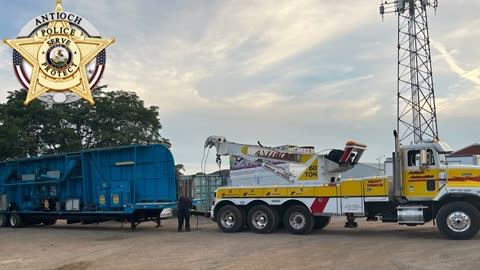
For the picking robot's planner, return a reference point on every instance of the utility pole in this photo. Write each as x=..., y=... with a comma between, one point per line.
x=381, y=171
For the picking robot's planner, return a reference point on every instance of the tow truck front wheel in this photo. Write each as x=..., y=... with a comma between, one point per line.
x=458, y=220
x=298, y=220
x=230, y=218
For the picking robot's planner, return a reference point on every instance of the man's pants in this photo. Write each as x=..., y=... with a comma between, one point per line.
x=181, y=216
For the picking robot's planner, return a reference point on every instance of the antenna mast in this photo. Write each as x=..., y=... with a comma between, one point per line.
x=416, y=111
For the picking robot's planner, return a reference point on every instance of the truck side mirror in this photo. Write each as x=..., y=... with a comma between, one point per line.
x=423, y=158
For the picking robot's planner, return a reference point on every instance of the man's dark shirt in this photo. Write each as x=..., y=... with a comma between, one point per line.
x=184, y=203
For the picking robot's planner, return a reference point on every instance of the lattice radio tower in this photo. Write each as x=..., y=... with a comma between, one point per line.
x=416, y=112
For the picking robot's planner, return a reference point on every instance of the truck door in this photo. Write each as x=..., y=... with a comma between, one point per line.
x=420, y=182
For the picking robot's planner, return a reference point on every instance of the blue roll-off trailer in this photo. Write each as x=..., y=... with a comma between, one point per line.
x=127, y=184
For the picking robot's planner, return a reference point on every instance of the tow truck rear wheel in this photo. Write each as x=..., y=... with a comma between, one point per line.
x=458, y=220
x=321, y=222
x=262, y=219
x=230, y=218
x=298, y=220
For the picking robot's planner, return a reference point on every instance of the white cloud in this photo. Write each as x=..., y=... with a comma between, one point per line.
x=238, y=38
x=472, y=75
x=252, y=100
x=465, y=31
x=5, y=57
x=288, y=28
x=363, y=108
x=339, y=86
x=462, y=97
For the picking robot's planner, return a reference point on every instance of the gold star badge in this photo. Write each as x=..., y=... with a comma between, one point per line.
x=59, y=55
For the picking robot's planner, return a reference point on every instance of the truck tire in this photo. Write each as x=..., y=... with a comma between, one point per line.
x=298, y=220
x=458, y=220
x=321, y=222
x=3, y=220
x=230, y=218
x=262, y=219
x=16, y=221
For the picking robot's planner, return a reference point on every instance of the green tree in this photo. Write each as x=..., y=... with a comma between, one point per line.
x=179, y=169
x=117, y=118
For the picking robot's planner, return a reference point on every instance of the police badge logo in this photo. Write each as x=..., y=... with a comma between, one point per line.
x=59, y=57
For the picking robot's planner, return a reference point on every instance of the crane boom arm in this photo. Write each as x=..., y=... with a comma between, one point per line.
x=318, y=168
x=225, y=148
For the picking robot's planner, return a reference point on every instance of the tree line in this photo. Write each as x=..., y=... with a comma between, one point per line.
x=117, y=118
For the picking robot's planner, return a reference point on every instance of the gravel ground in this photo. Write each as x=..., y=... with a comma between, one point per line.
x=373, y=245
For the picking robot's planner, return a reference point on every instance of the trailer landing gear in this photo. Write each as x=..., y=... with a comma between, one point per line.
x=351, y=221
x=133, y=223
x=137, y=218
x=158, y=221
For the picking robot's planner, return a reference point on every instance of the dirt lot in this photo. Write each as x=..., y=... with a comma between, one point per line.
x=109, y=246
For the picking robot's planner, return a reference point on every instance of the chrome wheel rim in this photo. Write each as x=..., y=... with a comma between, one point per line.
x=259, y=219
x=297, y=220
x=228, y=219
x=458, y=221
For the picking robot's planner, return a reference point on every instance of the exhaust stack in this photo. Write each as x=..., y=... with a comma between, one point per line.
x=397, y=169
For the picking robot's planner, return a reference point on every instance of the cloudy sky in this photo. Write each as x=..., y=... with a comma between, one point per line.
x=303, y=72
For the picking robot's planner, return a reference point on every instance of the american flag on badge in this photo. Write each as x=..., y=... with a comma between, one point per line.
x=99, y=68
x=23, y=73
x=17, y=64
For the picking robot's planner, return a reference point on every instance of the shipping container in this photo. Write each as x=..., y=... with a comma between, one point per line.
x=205, y=186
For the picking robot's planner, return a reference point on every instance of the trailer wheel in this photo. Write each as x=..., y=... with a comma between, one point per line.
x=298, y=220
x=49, y=222
x=458, y=220
x=321, y=222
x=16, y=221
x=3, y=220
x=262, y=219
x=230, y=218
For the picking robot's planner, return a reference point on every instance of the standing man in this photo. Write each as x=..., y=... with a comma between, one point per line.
x=184, y=205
